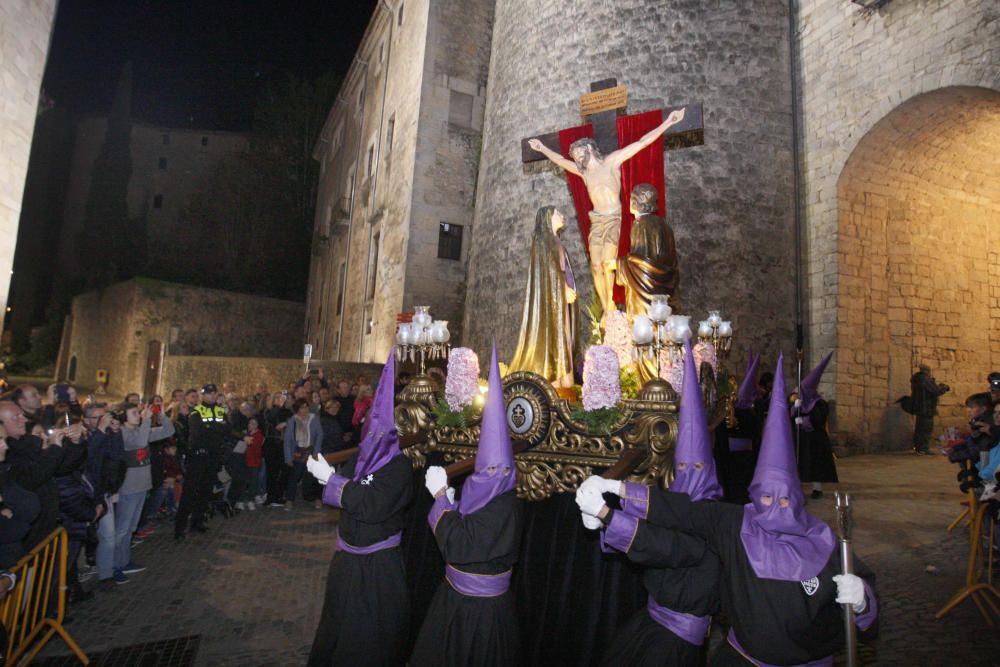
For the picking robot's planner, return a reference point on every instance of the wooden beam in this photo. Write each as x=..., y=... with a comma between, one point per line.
x=626, y=464
x=459, y=468
x=345, y=455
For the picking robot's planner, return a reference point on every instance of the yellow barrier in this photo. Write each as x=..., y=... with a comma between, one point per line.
x=25, y=612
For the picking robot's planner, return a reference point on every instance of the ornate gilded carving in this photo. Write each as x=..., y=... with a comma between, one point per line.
x=561, y=452
x=423, y=390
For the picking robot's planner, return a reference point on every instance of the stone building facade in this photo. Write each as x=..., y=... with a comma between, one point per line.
x=131, y=328
x=399, y=156
x=25, y=30
x=847, y=183
x=730, y=201
x=168, y=166
x=900, y=127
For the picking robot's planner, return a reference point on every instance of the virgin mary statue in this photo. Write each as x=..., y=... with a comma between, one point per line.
x=549, y=321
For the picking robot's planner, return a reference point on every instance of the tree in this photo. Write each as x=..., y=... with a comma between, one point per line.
x=256, y=211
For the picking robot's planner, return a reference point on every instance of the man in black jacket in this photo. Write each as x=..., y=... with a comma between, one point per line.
x=105, y=471
x=209, y=437
x=32, y=467
x=925, y=391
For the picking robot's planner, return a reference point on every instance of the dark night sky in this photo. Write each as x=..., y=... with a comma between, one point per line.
x=196, y=63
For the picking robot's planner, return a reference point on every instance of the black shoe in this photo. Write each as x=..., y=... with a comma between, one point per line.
x=816, y=494
x=920, y=452
x=199, y=528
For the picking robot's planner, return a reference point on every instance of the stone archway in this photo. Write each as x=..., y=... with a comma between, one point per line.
x=918, y=261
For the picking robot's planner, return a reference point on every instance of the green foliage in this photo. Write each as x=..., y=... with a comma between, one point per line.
x=599, y=421
x=629, y=378
x=595, y=312
x=444, y=416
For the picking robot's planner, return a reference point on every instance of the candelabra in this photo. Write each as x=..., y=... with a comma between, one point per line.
x=659, y=330
x=423, y=338
x=718, y=332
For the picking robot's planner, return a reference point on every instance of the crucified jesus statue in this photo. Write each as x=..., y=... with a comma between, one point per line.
x=603, y=177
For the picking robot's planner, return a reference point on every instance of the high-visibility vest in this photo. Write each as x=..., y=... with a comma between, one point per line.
x=215, y=414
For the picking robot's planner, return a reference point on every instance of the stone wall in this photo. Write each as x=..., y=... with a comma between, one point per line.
x=728, y=201
x=362, y=223
x=117, y=328
x=25, y=28
x=246, y=372
x=453, y=96
x=855, y=69
x=918, y=202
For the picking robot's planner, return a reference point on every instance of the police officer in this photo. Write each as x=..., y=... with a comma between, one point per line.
x=208, y=432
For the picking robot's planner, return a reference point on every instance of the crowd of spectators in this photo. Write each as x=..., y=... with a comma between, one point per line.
x=111, y=473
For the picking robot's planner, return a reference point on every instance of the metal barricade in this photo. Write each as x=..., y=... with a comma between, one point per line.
x=33, y=611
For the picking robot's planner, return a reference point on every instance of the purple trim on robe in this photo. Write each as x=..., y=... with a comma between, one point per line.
x=621, y=531
x=605, y=547
x=477, y=585
x=865, y=619
x=740, y=445
x=440, y=506
x=690, y=628
x=334, y=490
x=731, y=638
x=635, y=500
x=567, y=268
x=387, y=543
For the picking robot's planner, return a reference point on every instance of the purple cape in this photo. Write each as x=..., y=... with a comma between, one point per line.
x=380, y=443
x=495, y=472
x=786, y=543
x=694, y=447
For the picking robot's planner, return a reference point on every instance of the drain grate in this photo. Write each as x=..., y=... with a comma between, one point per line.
x=178, y=652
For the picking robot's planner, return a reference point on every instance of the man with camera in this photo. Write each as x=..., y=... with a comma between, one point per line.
x=925, y=391
x=106, y=469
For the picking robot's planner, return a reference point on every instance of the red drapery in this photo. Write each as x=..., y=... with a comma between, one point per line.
x=646, y=167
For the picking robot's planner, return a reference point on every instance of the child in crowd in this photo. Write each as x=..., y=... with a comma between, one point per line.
x=172, y=476
x=253, y=458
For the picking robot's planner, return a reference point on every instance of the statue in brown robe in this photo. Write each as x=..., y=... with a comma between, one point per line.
x=651, y=264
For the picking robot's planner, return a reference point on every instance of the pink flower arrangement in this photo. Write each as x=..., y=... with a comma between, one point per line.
x=601, y=380
x=618, y=336
x=462, y=383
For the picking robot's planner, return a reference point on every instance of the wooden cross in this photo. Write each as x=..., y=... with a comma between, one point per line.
x=601, y=104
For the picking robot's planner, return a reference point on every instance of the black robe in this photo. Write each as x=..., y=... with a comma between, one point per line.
x=778, y=622
x=366, y=609
x=681, y=574
x=735, y=469
x=815, y=451
x=462, y=630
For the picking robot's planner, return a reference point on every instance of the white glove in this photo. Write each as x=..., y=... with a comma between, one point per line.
x=851, y=590
x=800, y=420
x=601, y=485
x=451, y=494
x=436, y=479
x=589, y=500
x=798, y=402
x=591, y=522
x=319, y=468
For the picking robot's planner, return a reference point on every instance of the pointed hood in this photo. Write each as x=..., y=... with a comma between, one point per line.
x=694, y=446
x=495, y=472
x=380, y=443
x=748, y=387
x=784, y=543
x=808, y=388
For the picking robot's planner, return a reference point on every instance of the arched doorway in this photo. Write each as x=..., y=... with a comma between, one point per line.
x=918, y=261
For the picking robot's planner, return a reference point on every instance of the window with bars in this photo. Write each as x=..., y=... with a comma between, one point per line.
x=449, y=241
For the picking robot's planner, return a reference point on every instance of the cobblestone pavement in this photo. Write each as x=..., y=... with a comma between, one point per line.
x=252, y=586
